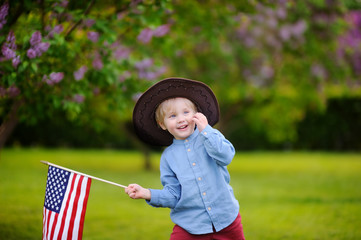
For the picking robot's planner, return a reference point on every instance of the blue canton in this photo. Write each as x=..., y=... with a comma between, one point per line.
x=55, y=188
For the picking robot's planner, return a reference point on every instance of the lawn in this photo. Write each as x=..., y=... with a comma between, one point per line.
x=282, y=195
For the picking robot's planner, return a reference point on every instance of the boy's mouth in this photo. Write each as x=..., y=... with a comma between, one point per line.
x=183, y=127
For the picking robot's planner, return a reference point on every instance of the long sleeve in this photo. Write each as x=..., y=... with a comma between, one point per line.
x=170, y=194
x=217, y=146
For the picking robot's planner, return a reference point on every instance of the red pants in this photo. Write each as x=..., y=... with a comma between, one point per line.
x=232, y=232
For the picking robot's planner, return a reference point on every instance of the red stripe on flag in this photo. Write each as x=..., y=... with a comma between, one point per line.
x=54, y=225
x=66, y=209
x=81, y=225
x=75, y=208
x=47, y=222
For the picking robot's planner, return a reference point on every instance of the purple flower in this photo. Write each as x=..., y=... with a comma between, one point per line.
x=47, y=80
x=7, y=52
x=97, y=64
x=146, y=63
x=78, y=75
x=16, y=61
x=121, y=53
x=64, y=3
x=10, y=40
x=35, y=38
x=161, y=30
x=4, y=10
x=285, y=32
x=48, y=28
x=31, y=53
x=78, y=98
x=349, y=43
x=318, y=71
x=41, y=48
x=56, y=76
x=37, y=47
x=89, y=22
x=58, y=29
x=13, y=91
x=151, y=75
x=9, y=47
x=354, y=17
x=299, y=28
x=145, y=35
x=281, y=12
x=93, y=36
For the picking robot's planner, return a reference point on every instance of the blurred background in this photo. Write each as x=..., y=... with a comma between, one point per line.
x=287, y=74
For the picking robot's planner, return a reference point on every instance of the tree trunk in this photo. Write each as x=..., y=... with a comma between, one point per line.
x=9, y=123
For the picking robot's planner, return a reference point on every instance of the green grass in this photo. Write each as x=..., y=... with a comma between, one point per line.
x=281, y=195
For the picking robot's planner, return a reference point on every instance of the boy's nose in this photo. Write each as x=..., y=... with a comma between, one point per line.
x=180, y=119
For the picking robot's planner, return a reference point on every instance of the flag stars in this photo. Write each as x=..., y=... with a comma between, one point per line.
x=55, y=190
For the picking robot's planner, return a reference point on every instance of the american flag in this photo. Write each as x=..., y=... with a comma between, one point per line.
x=66, y=197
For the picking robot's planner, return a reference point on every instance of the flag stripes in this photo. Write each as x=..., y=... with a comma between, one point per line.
x=67, y=220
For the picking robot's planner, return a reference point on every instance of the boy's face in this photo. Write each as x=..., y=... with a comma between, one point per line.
x=178, y=118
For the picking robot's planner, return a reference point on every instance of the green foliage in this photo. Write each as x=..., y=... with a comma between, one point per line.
x=90, y=46
x=281, y=195
x=272, y=60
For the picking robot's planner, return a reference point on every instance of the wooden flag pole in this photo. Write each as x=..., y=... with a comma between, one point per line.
x=85, y=175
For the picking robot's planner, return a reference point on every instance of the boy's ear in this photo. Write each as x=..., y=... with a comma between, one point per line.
x=162, y=125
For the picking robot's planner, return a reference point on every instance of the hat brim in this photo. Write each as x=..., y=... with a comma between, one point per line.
x=144, y=121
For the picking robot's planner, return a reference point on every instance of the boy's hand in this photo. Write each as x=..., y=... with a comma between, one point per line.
x=137, y=192
x=200, y=120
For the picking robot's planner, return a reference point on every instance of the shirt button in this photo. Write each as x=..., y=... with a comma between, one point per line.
x=186, y=140
x=188, y=149
x=194, y=164
x=205, y=133
x=204, y=194
x=199, y=178
x=209, y=208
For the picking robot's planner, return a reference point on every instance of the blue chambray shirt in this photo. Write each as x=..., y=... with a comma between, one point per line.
x=195, y=182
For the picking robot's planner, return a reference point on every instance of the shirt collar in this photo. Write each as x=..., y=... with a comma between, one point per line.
x=189, y=139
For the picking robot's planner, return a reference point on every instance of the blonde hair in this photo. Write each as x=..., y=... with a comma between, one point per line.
x=166, y=106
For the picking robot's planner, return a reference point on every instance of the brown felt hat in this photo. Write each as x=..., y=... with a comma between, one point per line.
x=144, y=121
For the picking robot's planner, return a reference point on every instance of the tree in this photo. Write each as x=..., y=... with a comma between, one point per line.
x=68, y=55
x=270, y=60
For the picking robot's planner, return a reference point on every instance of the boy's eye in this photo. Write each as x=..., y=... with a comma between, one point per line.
x=172, y=116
